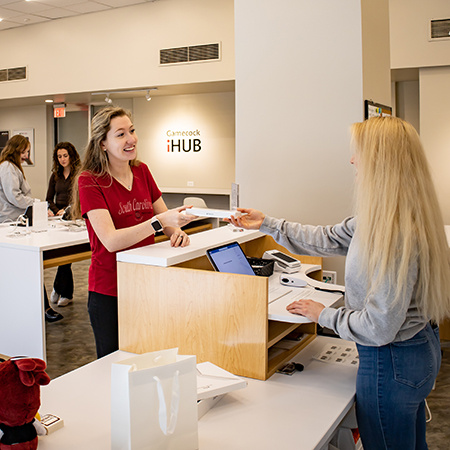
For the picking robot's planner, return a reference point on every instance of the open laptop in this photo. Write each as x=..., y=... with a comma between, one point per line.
x=231, y=258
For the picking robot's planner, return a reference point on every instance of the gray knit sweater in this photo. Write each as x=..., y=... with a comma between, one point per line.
x=373, y=322
x=15, y=192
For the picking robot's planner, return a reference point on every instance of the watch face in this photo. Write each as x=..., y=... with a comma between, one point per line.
x=156, y=225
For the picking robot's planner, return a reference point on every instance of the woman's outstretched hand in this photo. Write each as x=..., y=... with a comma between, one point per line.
x=175, y=218
x=250, y=219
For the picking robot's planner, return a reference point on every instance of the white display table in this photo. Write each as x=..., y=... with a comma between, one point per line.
x=22, y=282
x=301, y=411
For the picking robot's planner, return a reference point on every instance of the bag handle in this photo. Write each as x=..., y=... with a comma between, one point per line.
x=168, y=428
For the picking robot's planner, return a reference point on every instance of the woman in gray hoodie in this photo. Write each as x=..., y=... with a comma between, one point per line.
x=397, y=278
x=15, y=192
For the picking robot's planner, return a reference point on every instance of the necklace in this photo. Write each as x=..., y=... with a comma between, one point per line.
x=125, y=183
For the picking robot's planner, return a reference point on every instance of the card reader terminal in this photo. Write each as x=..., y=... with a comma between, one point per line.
x=286, y=262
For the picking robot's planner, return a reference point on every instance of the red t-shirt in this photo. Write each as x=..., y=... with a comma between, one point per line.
x=127, y=208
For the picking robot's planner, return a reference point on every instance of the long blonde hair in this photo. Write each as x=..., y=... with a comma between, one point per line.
x=95, y=159
x=399, y=218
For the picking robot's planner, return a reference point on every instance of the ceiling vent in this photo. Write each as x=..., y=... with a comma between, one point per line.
x=13, y=74
x=439, y=29
x=195, y=53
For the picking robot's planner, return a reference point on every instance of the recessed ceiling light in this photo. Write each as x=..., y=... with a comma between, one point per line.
x=49, y=100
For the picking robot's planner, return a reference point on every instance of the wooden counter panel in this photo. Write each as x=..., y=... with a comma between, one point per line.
x=223, y=316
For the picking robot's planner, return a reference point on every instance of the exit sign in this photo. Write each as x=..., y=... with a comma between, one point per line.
x=59, y=111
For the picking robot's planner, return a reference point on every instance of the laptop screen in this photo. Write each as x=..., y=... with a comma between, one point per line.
x=230, y=258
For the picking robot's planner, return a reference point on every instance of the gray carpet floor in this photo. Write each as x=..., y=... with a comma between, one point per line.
x=70, y=344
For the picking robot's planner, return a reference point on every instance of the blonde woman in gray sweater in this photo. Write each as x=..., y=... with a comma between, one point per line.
x=397, y=280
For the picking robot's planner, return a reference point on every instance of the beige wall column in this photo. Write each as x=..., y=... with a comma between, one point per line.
x=299, y=86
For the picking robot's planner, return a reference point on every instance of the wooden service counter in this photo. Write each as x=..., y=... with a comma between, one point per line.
x=172, y=297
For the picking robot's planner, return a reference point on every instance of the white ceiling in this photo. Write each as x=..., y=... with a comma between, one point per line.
x=17, y=13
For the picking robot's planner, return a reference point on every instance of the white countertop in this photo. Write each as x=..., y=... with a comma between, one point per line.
x=299, y=411
x=163, y=255
x=57, y=235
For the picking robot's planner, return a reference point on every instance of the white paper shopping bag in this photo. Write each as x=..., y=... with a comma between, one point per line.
x=154, y=402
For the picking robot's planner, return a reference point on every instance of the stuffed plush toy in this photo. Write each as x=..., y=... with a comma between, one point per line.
x=20, y=379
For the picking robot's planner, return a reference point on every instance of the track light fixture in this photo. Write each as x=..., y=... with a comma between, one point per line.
x=108, y=94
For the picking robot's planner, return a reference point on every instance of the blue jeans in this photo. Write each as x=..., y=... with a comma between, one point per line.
x=392, y=384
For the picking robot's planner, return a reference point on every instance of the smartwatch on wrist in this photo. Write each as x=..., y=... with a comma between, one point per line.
x=156, y=224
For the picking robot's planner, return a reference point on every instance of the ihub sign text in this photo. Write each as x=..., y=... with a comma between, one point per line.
x=186, y=144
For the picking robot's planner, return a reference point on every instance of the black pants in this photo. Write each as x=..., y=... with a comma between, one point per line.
x=46, y=303
x=105, y=323
x=63, y=283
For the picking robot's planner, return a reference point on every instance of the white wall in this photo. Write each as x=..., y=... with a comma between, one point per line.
x=409, y=32
x=118, y=49
x=298, y=91
x=376, y=54
x=210, y=169
x=428, y=97
x=435, y=129
x=32, y=117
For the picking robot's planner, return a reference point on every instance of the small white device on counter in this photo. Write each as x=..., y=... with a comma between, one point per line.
x=287, y=263
x=292, y=280
x=218, y=213
x=51, y=422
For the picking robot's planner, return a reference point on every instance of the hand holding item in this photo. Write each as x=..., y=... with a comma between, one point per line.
x=175, y=217
x=308, y=308
x=50, y=213
x=250, y=219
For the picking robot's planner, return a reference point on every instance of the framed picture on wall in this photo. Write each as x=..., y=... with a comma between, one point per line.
x=4, y=136
x=372, y=109
x=28, y=133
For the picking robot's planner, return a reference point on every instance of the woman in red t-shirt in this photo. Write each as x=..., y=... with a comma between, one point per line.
x=123, y=208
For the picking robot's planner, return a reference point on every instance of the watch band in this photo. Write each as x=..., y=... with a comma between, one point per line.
x=156, y=224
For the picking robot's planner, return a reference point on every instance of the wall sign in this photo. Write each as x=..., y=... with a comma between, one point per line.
x=28, y=133
x=184, y=141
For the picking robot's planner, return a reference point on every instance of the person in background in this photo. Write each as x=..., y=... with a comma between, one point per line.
x=397, y=278
x=15, y=193
x=123, y=208
x=66, y=161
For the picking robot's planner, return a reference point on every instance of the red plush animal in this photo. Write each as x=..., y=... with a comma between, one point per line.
x=20, y=400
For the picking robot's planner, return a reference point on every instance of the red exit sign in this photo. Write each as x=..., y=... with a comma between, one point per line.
x=59, y=111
